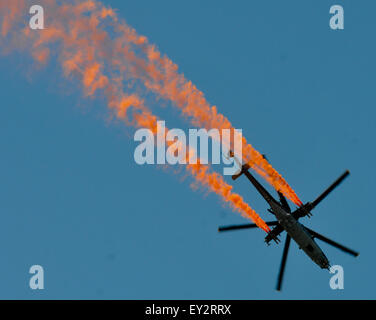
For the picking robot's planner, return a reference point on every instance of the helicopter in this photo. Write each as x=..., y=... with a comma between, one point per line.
x=287, y=220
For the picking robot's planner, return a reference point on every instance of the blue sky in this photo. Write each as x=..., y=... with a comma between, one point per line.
x=73, y=200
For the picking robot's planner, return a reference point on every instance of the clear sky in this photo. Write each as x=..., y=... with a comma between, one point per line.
x=73, y=200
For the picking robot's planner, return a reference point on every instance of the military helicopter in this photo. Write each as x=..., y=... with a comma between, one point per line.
x=287, y=220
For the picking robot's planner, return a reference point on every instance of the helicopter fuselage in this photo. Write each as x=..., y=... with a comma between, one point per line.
x=298, y=233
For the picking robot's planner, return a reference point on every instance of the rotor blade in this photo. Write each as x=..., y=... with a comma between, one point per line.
x=244, y=226
x=283, y=262
x=330, y=189
x=333, y=243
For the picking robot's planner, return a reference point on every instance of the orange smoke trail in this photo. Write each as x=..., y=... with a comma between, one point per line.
x=86, y=52
x=160, y=75
x=200, y=172
x=176, y=88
